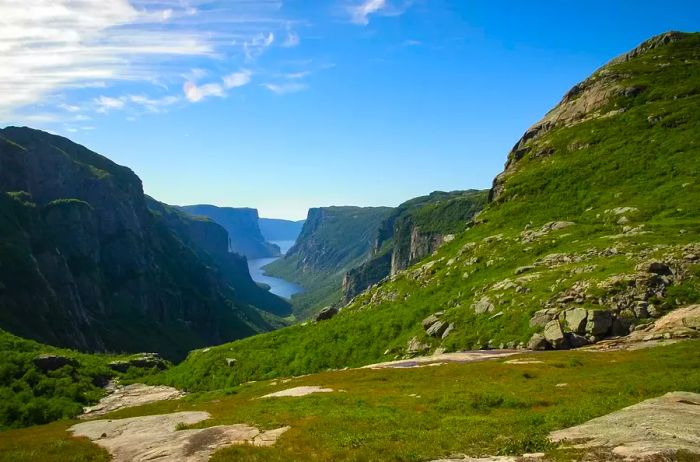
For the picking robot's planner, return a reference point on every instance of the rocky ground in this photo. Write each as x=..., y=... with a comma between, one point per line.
x=137, y=394
x=160, y=437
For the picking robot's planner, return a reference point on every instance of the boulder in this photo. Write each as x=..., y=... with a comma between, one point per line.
x=142, y=360
x=326, y=313
x=524, y=269
x=537, y=342
x=484, y=305
x=576, y=320
x=449, y=329
x=437, y=329
x=640, y=309
x=555, y=335
x=231, y=362
x=621, y=326
x=49, y=362
x=655, y=267
x=599, y=322
x=416, y=346
x=542, y=317
x=429, y=321
x=576, y=340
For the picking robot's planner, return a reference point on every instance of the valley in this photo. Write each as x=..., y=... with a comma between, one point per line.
x=553, y=317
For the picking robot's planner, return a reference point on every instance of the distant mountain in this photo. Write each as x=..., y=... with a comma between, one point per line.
x=275, y=229
x=88, y=261
x=332, y=240
x=242, y=226
x=414, y=230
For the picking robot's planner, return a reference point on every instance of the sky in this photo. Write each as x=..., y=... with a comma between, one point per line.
x=285, y=105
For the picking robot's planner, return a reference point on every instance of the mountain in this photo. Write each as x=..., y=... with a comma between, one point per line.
x=414, y=230
x=88, y=261
x=332, y=240
x=275, y=229
x=591, y=231
x=244, y=233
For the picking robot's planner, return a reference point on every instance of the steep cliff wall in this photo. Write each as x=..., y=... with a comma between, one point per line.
x=84, y=262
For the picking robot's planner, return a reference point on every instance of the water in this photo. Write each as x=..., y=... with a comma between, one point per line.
x=278, y=286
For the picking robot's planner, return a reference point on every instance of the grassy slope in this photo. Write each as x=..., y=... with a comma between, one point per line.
x=30, y=396
x=333, y=240
x=478, y=408
x=628, y=162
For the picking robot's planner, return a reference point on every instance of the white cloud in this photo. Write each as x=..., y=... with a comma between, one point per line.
x=284, y=88
x=257, y=45
x=237, y=79
x=360, y=12
x=106, y=103
x=195, y=93
x=51, y=47
x=291, y=40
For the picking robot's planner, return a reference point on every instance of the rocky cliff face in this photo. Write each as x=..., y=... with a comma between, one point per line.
x=413, y=231
x=244, y=233
x=332, y=240
x=85, y=263
x=275, y=229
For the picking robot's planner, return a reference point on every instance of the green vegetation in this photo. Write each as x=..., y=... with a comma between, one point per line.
x=332, y=240
x=629, y=160
x=31, y=395
x=416, y=414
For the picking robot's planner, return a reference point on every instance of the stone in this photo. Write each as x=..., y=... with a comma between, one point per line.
x=576, y=320
x=599, y=322
x=655, y=267
x=136, y=394
x=654, y=311
x=416, y=346
x=449, y=329
x=575, y=340
x=326, y=313
x=231, y=362
x=142, y=360
x=542, y=317
x=429, y=321
x=621, y=326
x=437, y=329
x=49, y=362
x=640, y=309
x=537, y=342
x=484, y=305
x=524, y=269
x=555, y=335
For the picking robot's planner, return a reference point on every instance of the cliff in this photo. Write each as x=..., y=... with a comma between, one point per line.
x=332, y=240
x=414, y=230
x=244, y=233
x=84, y=262
x=275, y=229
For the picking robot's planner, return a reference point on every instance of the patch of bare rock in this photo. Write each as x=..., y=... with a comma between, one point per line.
x=443, y=358
x=156, y=437
x=298, y=391
x=656, y=427
x=120, y=397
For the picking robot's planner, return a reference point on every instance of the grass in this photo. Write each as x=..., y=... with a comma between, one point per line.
x=418, y=414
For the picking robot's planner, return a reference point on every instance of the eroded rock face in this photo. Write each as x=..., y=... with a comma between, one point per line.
x=326, y=313
x=554, y=334
x=141, y=439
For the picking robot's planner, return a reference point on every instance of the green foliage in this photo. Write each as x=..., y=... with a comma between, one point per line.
x=31, y=396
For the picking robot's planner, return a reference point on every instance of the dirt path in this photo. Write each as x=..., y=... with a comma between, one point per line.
x=155, y=437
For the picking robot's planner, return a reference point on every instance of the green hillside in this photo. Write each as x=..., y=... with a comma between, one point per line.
x=596, y=213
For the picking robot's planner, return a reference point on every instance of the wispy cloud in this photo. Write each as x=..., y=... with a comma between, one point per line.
x=360, y=12
x=195, y=93
x=50, y=48
x=291, y=40
x=284, y=88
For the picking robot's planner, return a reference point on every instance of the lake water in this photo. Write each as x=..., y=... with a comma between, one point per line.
x=278, y=286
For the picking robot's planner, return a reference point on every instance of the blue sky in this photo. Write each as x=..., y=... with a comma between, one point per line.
x=285, y=105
